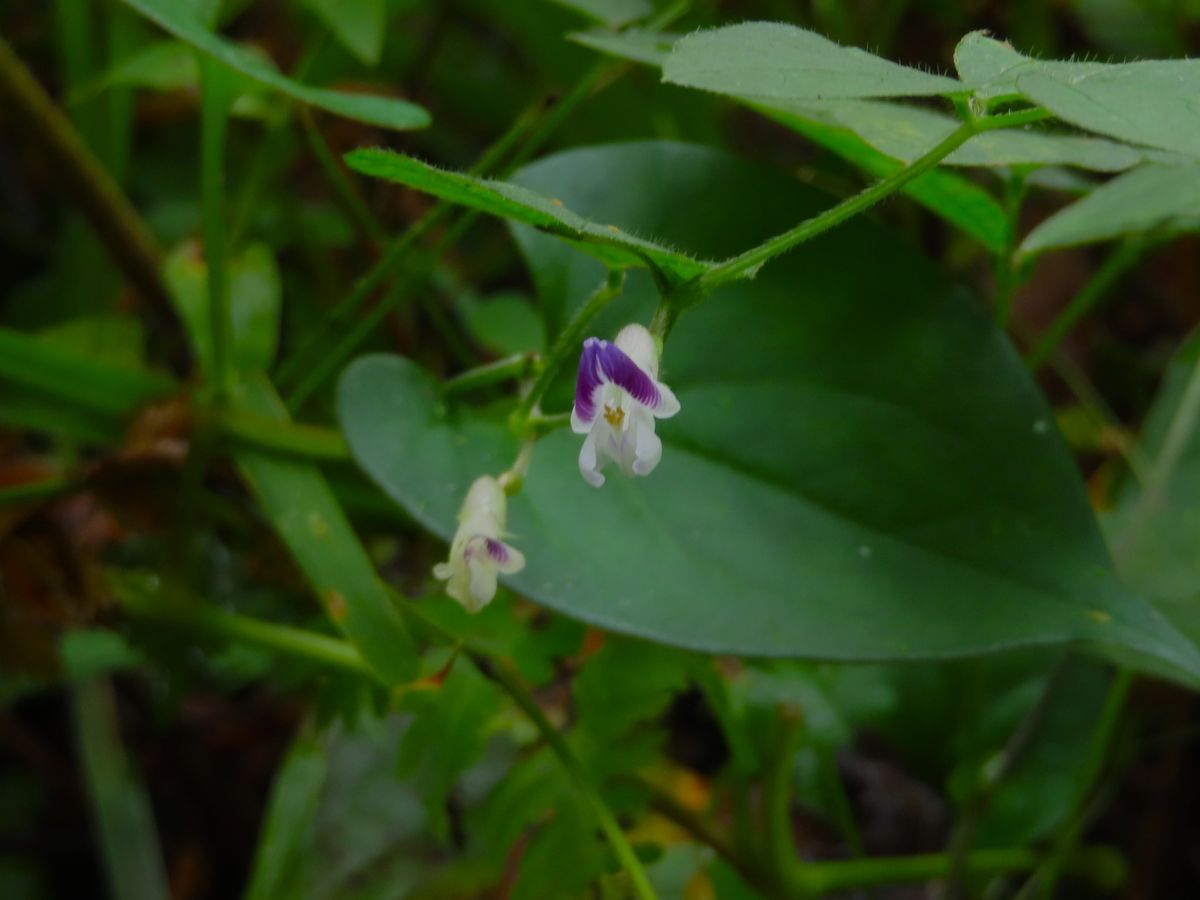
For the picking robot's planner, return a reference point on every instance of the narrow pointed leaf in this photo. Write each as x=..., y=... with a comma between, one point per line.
x=181, y=21
x=510, y=201
x=1147, y=199
x=298, y=501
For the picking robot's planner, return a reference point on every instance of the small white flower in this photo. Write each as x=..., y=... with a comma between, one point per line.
x=477, y=554
x=617, y=398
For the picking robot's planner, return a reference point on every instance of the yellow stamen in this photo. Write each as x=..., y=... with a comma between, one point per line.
x=615, y=416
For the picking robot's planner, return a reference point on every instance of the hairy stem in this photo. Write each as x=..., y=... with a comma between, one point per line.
x=749, y=262
x=567, y=345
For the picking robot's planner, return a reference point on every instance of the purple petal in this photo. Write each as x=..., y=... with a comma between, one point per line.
x=616, y=367
x=588, y=380
x=497, y=550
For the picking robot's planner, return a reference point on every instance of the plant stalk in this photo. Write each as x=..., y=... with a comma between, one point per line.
x=83, y=180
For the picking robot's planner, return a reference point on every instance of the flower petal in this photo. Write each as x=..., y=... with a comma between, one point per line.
x=482, y=582
x=668, y=405
x=508, y=558
x=590, y=463
x=616, y=367
x=648, y=446
x=586, y=383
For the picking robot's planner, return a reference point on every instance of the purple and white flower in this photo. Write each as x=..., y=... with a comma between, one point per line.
x=617, y=398
x=477, y=554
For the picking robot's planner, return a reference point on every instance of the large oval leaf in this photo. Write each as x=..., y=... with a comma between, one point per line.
x=861, y=469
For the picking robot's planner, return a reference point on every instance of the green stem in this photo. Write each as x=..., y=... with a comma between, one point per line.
x=749, y=262
x=567, y=345
x=777, y=801
x=1085, y=780
x=842, y=875
x=340, y=180
x=1006, y=267
x=526, y=135
x=511, y=683
x=512, y=367
x=83, y=179
x=214, y=121
x=992, y=776
x=504, y=676
x=295, y=642
x=1118, y=263
x=311, y=442
x=843, y=813
x=311, y=350
x=1183, y=426
x=44, y=489
x=542, y=424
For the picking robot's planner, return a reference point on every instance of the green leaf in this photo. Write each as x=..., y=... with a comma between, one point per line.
x=294, y=800
x=110, y=339
x=1149, y=198
x=505, y=323
x=386, y=112
x=829, y=490
x=987, y=65
x=358, y=25
x=783, y=62
x=295, y=497
x=161, y=66
x=511, y=201
x=449, y=733
x=1155, y=522
x=1152, y=102
x=121, y=810
x=906, y=132
x=649, y=47
x=41, y=364
x=255, y=295
x=1147, y=103
x=610, y=12
x=365, y=838
x=623, y=687
x=955, y=199
x=91, y=652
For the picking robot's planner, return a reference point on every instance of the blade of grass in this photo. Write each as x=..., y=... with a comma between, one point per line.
x=120, y=809
x=296, y=499
x=31, y=363
x=215, y=98
x=294, y=800
x=523, y=138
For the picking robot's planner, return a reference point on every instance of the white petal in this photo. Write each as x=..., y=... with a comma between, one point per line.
x=482, y=583
x=578, y=425
x=443, y=571
x=638, y=344
x=590, y=462
x=516, y=561
x=668, y=405
x=647, y=446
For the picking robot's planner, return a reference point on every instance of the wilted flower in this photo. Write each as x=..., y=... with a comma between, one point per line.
x=477, y=554
x=617, y=398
